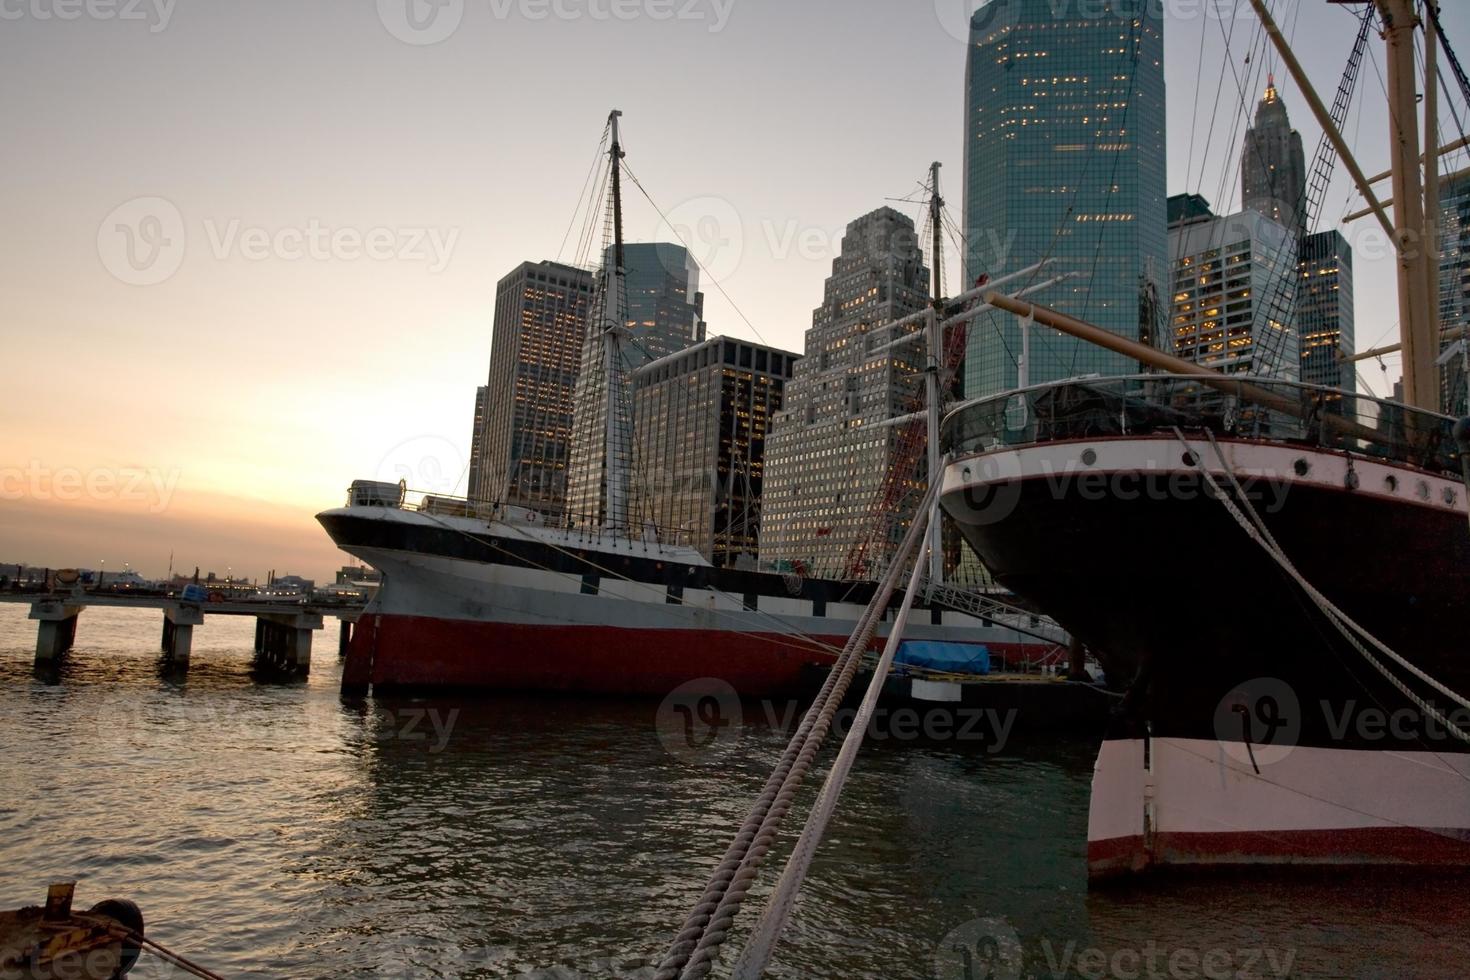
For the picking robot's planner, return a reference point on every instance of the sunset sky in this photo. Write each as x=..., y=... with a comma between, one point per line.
x=334, y=201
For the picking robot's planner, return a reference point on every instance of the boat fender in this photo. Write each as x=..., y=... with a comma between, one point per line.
x=131, y=918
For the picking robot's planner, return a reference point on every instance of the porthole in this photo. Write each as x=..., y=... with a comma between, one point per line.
x=1423, y=489
x=1189, y=459
x=1089, y=457
x=1301, y=466
x=1391, y=483
x=1449, y=496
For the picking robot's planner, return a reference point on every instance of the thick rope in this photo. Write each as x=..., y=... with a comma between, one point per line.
x=165, y=954
x=762, y=943
x=697, y=945
x=1343, y=623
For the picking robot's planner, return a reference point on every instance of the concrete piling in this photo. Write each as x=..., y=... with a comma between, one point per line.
x=283, y=641
x=178, y=633
x=57, y=629
x=283, y=631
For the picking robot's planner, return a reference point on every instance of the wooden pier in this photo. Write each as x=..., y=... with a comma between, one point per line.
x=283, y=630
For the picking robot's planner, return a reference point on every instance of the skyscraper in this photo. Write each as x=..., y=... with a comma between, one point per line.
x=1324, y=310
x=1454, y=284
x=477, y=440
x=703, y=415
x=665, y=309
x=1273, y=170
x=1225, y=270
x=1065, y=160
x=829, y=449
x=540, y=319
x=1320, y=300
x=663, y=313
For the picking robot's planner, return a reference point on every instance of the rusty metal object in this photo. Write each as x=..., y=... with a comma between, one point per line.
x=53, y=941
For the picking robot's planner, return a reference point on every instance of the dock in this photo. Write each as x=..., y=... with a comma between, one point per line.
x=283, y=629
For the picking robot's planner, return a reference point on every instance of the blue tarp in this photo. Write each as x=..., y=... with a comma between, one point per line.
x=953, y=658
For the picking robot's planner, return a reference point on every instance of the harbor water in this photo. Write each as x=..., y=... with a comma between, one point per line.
x=273, y=830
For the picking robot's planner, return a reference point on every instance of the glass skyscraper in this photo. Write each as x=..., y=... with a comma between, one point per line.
x=1065, y=159
x=664, y=313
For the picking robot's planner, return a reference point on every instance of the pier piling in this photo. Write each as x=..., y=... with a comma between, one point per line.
x=344, y=638
x=178, y=633
x=283, y=641
x=56, y=631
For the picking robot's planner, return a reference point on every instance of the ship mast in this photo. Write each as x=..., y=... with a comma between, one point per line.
x=616, y=437
x=1418, y=326
x=1412, y=235
x=934, y=330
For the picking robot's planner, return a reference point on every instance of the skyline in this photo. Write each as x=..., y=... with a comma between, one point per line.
x=214, y=412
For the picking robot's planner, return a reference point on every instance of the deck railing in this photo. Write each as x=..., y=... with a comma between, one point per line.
x=567, y=525
x=1252, y=408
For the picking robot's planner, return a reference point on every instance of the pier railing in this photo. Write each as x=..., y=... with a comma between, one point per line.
x=1253, y=408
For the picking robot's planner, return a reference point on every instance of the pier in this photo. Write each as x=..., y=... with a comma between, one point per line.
x=283, y=630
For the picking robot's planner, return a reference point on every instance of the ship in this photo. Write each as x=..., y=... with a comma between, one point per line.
x=480, y=595
x=1274, y=574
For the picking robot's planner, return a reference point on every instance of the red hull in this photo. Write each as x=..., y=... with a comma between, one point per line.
x=390, y=652
x=1371, y=846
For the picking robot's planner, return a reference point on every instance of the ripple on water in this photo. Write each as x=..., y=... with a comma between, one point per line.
x=274, y=832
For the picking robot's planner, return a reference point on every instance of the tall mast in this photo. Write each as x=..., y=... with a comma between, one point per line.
x=616, y=437
x=935, y=330
x=1416, y=307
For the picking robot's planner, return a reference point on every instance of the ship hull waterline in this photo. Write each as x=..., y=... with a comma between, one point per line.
x=1251, y=732
x=454, y=616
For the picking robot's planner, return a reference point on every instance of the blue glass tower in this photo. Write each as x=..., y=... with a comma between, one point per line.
x=1065, y=159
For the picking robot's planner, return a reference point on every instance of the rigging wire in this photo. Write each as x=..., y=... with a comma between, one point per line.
x=586, y=188
x=717, y=284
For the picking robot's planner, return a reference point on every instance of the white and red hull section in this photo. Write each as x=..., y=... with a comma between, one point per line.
x=508, y=609
x=1181, y=802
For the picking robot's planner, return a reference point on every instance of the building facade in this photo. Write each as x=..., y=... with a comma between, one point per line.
x=1226, y=270
x=1324, y=301
x=540, y=319
x=1454, y=285
x=663, y=314
x=703, y=417
x=1065, y=160
x=1273, y=169
x=477, y=441
x=830, y=449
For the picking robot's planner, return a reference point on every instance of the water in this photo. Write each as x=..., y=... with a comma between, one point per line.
x=272, y=831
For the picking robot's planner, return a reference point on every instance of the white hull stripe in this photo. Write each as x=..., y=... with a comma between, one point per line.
x=439, y=587
x=1164, y=456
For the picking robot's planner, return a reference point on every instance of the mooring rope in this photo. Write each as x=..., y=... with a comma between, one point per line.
x=164, y=953
x=1344, y=624
x=698, y=942
x=762, y=942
